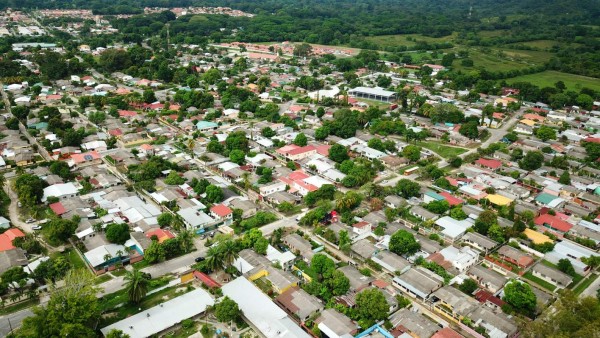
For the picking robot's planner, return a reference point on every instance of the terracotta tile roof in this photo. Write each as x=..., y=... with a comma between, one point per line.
x=221, y=210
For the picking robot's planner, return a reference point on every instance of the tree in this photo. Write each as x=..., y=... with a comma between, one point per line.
x=484, y=221
x=174, y=179
x=72, y=308
x=403, y=242
x=114, y=333
x=469, y=129
x=455, y=161
x=565, y=178
x=496, y=233
x=261, y=245
x=136, y=285
x=237, y=156
x=30, y=189
x=339, y=284
x=458, y=213
x=155, y=253
x=12, y=123
x=323, y=266
x=338, y=153
x=59, y=230
x=215, y=147
x=438, y=207
x=520, y=296
x=468, y=286
x=371, y=307
x=407, y=188
x=185, y=238
x=571, y=316
x=565, y=266
x=300, y=140
x=533, y=160
x=165, y=219
x=545, y=133
x=115, y=59
x=237, y=140
x=227, y=310
x=344, y=241
x=117, y=233
x=214, y=194
x=412, y=152
x=267, y=132
x=148, y=96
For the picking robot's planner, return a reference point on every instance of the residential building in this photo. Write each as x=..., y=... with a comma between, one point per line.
x=336, y=325
x=418, y=282
x=553, y=276
x=299, y=303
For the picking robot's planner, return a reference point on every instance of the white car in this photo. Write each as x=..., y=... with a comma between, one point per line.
x=30, y=220
x=36, y=227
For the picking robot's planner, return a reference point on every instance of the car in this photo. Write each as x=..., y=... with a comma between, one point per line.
x=36, y=227
x=199, y=259
x=19, y=204
x=30, y=220
x=212, y=234
x=146, y=275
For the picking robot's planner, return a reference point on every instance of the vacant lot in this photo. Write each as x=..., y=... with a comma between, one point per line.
x=549, y=78
x=408, y=40
x=442, y=149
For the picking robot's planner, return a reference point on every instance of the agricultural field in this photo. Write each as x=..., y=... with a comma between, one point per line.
x=549, y=78
x=494, y=60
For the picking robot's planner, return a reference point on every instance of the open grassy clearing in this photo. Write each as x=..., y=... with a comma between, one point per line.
x=442, y=149
x=543, y=44
x=550, y=77
x=403, y=39
x=495, y=60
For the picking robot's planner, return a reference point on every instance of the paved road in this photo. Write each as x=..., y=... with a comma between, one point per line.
x=288, y=222
x=13, y=320
x=592, y=289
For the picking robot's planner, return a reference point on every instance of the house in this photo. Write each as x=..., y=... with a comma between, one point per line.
x=412, y=323
x=361, y=228
x=479, y=242
x=61, y=191
x=496, y=324
x=362, y=249
x=255, y=266
x=285, y=259
x=7, y=238
x=461, y=259
x=105, y=256
x=488, y=299
x=418, y=282
x=293, y=152
x=161, y=235
x=515, y=256
x=195, y=218
x=553, y=276
x=391, y=262
x=158, y=319
x=358, y=281
x=85, y=159
x=394, y=201
x=487, y=278
x=12, y=258
x=271, y=320
x=248, y=208
x=453, y=229
x=299, y=303
x=299, y=245
x=222, y=212
x=452, y=303
x=336, y=325
x=422, y=213
x=552, y=223
x=573, y=252
x=489, y=164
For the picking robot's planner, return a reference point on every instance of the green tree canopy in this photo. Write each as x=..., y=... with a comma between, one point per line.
x=227, y=310
x=403, y=242
x=371, y=307
x=117, y=233
x=520, y=296
x=533, y=160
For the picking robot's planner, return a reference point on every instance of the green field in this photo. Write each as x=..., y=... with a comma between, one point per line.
x=539, y=281
x=550, y=77
x=443, y=150
x=405, y=39
x=544, y=44
x=494, y=59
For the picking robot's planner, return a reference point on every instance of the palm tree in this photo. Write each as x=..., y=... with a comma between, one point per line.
x=246, y=180
x=191, y=144
x=120, y=254
x=136, y=285
x=228, y=252
x=107, y=257
x=213, y=260
x=2, y=180
x=186, y=240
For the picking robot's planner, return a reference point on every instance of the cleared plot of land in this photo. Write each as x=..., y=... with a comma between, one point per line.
x=550, y=77
x=544, y=44
x=408, y=40
x=442, y=149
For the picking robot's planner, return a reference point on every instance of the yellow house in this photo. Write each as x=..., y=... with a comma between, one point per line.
x=530, y=123
x=537, y=237
x=499, y=200
x=255, y=266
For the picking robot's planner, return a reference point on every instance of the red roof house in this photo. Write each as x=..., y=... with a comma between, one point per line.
x=204, y=278
x=489, y=164
x=7, y=238
x=452, y=200
x=221, y=211
x=553, y=223
x=58, y=208
x=162, y=235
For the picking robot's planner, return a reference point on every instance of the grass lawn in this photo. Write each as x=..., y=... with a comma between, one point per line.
x=76, y=261
x=120, y=272
x=539, y=281
x=442, y=149
x=103, y=278
x=549, y=78
x=141, y=264
x=585, y=284
x=20, y=306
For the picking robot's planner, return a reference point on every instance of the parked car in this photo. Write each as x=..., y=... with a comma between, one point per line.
x=199, y=259
x=30, y=220
x=146, y=275
x=36, y=227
